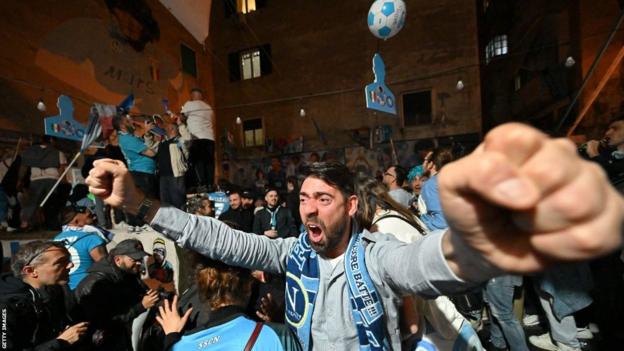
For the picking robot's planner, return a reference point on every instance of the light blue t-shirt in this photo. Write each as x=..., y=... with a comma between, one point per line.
x=79, y=243
x=434, y=218
x=232, y=335
x=132, y=148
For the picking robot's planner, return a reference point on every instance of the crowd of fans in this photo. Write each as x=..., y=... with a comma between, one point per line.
x=104, y=305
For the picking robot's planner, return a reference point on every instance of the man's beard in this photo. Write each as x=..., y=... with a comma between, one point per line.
x=331, y=238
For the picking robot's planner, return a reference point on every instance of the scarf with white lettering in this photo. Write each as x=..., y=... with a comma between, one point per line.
x=302, y=283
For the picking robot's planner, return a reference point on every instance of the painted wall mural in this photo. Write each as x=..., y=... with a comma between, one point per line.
x=362, y=159
x=111, y=58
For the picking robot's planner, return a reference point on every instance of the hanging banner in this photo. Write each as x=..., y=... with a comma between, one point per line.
x=378, y=95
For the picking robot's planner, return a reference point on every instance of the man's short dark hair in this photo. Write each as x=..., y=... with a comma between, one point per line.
x=617, y=119
x=68, y=214
x=117, y=121
x=197, y=90
x=195, y=203
x=268, y=189
x=400, y=174
x=333, y=173
x=442, y=156
x=292, y=180
x=31, y=254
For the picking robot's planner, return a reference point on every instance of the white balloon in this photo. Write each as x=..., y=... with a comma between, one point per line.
x=386, y=18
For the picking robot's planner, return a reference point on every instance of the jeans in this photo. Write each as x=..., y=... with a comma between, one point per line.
x=499, y=293
x=563, y=331
x=201, y=158
x=4, y=205
x=173, y=191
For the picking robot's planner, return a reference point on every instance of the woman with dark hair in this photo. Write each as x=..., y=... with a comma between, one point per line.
x=377, y=211
x=225, y=291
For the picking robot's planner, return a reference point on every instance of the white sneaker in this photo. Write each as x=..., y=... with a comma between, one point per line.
x=543, y=342
x=530, y=320
x=593, y=327
x=584, y=333
x=564, y=347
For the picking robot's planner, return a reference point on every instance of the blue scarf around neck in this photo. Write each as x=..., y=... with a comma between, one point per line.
x=302, y=284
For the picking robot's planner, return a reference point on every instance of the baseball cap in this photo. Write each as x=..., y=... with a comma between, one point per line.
x=247, y=194
x=129, y=247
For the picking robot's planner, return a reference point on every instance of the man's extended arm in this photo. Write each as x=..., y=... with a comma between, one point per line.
x=425, y=267
x=215, y=239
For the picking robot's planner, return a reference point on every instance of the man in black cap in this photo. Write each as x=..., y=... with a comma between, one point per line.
x=113, y=295
x=247, y=200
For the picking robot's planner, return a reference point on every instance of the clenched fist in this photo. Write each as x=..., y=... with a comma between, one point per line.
x=522, y=200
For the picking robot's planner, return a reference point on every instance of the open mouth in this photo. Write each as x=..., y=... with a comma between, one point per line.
x=315, y=232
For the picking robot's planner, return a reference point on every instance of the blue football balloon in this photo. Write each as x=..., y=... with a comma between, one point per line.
x=386, y=18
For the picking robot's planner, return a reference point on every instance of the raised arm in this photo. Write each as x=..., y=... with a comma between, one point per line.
x=523, y=201
x=110, y=180
x=213, y=238
x=520, y=203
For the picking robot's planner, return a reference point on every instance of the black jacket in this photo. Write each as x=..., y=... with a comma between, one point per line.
x=110, y=299
x=614, y=168
x=244, y=218
x=285, y=223
x=33, y=318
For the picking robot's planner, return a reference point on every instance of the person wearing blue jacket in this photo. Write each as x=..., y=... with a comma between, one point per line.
x=226, y=291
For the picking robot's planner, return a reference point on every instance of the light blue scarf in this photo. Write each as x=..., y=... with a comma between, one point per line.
x=302, y=283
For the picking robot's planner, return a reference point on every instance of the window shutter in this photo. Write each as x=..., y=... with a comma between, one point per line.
x=230, y=7
x=234, y=65
x=265, y=59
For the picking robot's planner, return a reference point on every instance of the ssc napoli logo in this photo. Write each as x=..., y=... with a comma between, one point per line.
x=297, y=300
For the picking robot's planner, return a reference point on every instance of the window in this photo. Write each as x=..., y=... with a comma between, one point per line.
x=417, y=108
x=253, y=133
x=496, y=47
x=245, y=6
x=250, y=63
x=187, y=56
x=521, y=77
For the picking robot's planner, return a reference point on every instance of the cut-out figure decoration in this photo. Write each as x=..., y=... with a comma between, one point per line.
x=378, y=95
x=64, y=125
